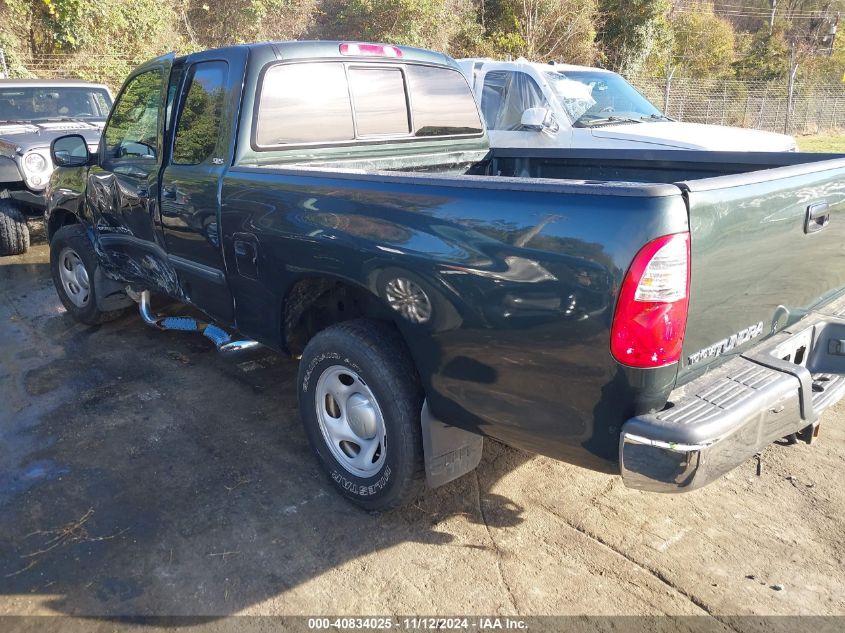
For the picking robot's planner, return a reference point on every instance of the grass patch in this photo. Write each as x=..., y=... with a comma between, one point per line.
x=824, y=144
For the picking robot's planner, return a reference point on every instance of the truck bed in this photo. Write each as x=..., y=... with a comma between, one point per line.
x=656, y=166
x=636, y=166
x=744, y=190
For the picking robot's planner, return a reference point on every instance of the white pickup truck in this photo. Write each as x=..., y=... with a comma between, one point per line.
x=556, y=105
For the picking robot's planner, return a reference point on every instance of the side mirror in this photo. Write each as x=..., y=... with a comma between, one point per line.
x=69, y=151
x=535, y=119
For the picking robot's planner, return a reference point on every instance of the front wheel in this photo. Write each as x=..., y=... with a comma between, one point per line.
x=14, y=233
x=74, y=266
x=360, y=401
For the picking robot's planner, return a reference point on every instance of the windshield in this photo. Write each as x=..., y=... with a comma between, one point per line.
x=42, y=103
x=599, y=97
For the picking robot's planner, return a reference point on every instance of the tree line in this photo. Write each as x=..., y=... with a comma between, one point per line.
x=744, y=39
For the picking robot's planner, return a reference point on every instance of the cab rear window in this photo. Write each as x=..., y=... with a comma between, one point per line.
x=318, y=103
x=380, y=102
x=304, y=103
x=443, y=102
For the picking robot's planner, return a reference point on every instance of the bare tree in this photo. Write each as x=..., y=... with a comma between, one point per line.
x=558, y=29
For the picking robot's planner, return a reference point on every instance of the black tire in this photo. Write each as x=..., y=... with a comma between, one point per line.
x=377, y=354
x=74, y=237
x=14, y=233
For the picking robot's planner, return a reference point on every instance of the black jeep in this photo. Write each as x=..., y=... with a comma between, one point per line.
x=32, y=114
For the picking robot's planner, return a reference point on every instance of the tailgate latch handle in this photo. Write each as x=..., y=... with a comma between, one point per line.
x=818, y=217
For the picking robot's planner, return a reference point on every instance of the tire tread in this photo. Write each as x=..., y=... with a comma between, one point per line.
x=14, y=232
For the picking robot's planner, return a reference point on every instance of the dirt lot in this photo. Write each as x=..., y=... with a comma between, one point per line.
x=141, y=473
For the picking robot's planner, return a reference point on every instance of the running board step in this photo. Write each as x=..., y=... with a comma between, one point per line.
x=221, y=338
x=183, y=324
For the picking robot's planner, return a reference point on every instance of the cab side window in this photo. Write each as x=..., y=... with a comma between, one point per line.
x=198, y=128
x=506, y=95
x=132, y=131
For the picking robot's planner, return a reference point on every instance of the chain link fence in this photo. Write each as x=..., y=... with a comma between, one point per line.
x=110, y=69
x=816, y=109
x=68, y=66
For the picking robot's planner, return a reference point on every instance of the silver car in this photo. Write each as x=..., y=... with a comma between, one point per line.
x=33, y=112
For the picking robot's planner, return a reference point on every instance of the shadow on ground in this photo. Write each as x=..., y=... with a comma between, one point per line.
x=144, y=474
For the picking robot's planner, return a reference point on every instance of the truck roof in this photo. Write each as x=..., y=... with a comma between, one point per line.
x=310, y=49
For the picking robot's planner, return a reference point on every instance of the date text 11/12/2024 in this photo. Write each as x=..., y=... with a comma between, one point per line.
x=418, y=624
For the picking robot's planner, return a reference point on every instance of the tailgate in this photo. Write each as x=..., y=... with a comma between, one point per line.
x=757, y=258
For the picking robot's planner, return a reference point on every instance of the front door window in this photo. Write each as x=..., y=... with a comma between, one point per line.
x=131, y=136
x=506, y=95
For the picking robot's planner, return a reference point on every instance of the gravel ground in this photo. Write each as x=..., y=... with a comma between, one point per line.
x=143, y=474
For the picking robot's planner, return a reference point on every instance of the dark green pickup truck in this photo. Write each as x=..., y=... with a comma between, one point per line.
x=663, y=315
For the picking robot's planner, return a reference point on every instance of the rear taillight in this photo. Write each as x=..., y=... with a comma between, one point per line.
x=651, y=313
x=369, y=50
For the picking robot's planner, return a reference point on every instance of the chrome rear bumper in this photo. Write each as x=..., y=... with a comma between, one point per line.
x=718, y=421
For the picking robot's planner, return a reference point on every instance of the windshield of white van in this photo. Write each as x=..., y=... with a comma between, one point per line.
x=591, y=98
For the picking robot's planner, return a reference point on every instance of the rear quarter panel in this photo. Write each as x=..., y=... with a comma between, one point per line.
x=522, y=276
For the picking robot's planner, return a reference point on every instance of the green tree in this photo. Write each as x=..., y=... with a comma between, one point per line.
x=100, y=41
x=15, y=18
x=634, y=32
x=827, y=69
x=63, y=20
x=561, y=30
x=425, y=23
x=134, y=32
x=766, y=56
x=210, y=24
x=703, y=44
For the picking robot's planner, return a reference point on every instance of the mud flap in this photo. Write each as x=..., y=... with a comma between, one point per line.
x=449, y=452
x=111, y=294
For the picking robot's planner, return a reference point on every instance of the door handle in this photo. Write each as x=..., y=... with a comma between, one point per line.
x=818, y=217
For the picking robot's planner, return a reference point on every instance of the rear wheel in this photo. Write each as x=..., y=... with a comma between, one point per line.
x=360, y=401
x=74, y=266
x=14, y=233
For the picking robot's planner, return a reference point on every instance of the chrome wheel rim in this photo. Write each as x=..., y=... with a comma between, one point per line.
x=351, y=421
x=74, y=277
